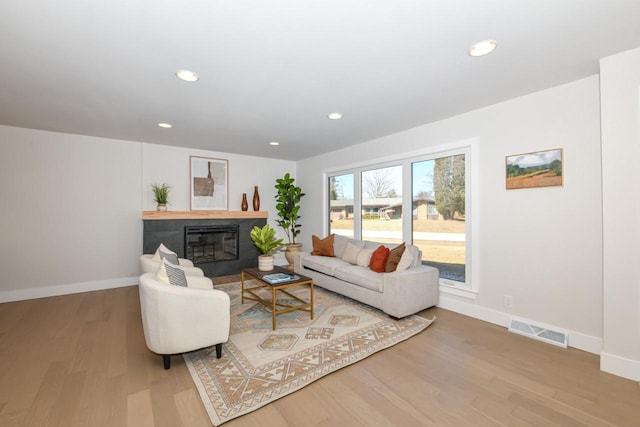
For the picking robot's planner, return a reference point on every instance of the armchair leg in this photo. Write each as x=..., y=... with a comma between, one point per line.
x=166, y=358
x=218, y=351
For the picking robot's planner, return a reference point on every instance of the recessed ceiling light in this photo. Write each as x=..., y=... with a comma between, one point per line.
x=335, y=116
x=187, y=75
x=274, y=143
x=165, y=125
x=483, y=48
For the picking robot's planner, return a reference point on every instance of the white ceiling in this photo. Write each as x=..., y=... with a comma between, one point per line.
x=273, y=70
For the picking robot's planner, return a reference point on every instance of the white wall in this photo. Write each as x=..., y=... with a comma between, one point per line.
x=620, y=92
x=70, y=213
x=541, y=246
x=171, y=165
x=72, y=206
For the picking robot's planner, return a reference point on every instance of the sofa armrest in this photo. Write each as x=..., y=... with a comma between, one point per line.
x=199, y=282
x=297, y=261
x=183, y=262
x=410, y=291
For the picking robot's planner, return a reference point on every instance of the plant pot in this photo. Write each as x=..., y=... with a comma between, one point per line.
x=265, y=262
x=292, y=249
x=162, y=207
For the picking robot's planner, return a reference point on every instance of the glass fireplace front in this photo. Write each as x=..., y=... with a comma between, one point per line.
x=212, y=243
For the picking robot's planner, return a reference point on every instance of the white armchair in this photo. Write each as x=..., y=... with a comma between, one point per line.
x=150, y=265
x=178, y=319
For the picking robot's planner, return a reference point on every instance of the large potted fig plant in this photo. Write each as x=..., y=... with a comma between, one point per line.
x=265, y=240
x=288, y=205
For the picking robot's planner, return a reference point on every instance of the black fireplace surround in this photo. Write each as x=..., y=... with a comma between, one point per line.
x=220, y=247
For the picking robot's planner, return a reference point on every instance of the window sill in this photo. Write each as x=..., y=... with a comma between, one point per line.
x=458, y=291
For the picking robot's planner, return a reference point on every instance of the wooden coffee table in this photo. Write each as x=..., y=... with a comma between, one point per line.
x=277, y=307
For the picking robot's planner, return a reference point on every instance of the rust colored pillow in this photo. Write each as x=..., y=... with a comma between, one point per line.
x=394, y=258
x=323, y=247
x=378, y=261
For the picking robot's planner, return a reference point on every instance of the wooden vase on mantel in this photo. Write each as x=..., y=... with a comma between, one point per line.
x=256, y=199
x=245, y=204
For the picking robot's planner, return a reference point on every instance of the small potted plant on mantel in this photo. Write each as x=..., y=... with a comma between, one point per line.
x=288, y=205
x=265, y=240
x=161, y=195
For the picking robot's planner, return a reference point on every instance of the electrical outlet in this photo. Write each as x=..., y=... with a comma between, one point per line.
x=508, y=301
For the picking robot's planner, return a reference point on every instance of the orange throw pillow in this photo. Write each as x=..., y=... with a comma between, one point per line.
x=394, y=258
x=378, y=261
x=323, y=247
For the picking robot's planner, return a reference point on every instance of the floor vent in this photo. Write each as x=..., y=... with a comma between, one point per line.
x=538, y=333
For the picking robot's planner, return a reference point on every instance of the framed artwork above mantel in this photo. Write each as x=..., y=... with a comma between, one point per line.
x=209, y=179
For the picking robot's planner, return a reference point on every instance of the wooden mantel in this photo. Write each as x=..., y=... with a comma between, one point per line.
x=156, y=215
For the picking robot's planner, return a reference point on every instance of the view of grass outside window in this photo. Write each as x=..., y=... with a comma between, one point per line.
x=382, y=204
x=438, y=209
x=341, y=205
x=439, y=214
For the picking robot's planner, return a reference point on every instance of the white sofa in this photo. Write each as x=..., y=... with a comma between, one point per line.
x=398, y=293
x=178, y=319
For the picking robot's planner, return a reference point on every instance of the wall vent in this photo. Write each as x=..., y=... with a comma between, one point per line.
x=539, y=333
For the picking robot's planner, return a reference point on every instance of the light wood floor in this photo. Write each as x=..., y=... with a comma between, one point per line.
x=81, y=360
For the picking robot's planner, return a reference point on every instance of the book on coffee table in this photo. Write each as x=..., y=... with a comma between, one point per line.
x=279, y=278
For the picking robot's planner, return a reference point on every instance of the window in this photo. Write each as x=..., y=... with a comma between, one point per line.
x=340, y=190
x=423, y=200
x=381, y=198
x=439, y=224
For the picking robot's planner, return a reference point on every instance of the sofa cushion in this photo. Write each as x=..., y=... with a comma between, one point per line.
x=162, y=248
x=370, y=245
x=169, y=256
x=379, y=259
x=395, y=255
x=350, y=253
x=323, y=264
x=416, y=254
x=364, y=257
x=170, y=274
x=323, y=247
x=361, y=276
x=339, y=245
x=410, y=258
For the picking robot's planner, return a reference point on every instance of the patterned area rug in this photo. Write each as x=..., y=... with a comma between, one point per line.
x=259, y=365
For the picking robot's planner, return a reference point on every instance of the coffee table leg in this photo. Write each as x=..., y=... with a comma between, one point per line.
x=273, y=307
x=311, y=300
x=242, y=292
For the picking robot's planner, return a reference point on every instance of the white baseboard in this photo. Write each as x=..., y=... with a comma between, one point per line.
x=577, y=340
x=73, y=288
x=620, y=366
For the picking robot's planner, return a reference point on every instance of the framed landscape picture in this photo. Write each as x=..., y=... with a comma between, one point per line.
x=209, y=183
x=537, y=169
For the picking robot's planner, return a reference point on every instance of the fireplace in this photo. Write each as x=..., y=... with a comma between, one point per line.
x=224, y=251
x=211, y=243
